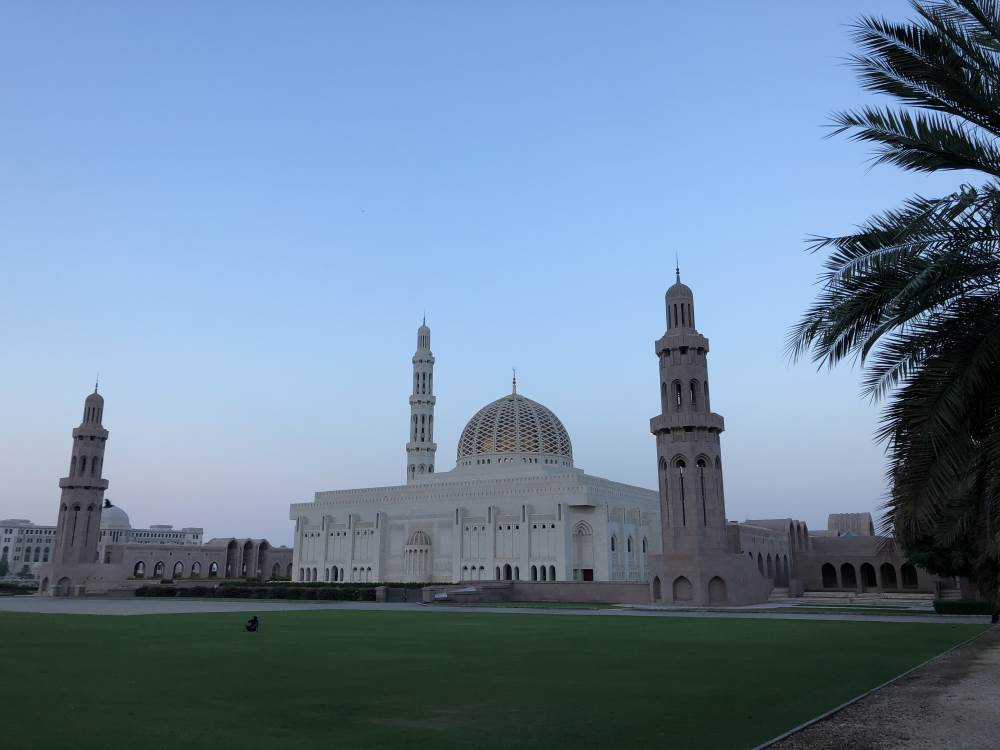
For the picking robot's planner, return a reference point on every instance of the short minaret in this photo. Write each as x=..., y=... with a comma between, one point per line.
x=421, y=447
x=689, y=456
x=79, y=520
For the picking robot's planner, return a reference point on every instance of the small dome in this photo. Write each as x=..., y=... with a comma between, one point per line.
x=95, y=399
x=679, y=290
x=113, y=517
x=419, y=538
x=515, y=424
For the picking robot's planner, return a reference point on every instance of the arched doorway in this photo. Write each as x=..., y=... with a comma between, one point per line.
x=682, y=590
x=888, y=577
x=45, y=585
x=417, y=557
x=507, y=572
x=909, y=575
x=868, y=580
x=717, y=591
x=231, y=551
x=829, y=574
x=261, y=554
x=657, y=589
x=848, y=577
x=583, y=552
x=64, y=587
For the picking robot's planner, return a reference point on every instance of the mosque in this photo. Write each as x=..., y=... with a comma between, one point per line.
x=516, y=509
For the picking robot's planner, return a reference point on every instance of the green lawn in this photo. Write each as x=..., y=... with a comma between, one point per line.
x=350, y=679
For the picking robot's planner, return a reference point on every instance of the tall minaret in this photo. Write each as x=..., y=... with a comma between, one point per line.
x=421, y=447
x=692, y=505
x=79, y=520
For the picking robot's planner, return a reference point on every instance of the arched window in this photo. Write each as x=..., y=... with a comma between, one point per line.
x=196, y=570
x=72, y=466
x=213, y=570
x=178, y=569
x=158, y=570
x=644, y=545
x=677, y=394
x=663, y=396
x=706, y=395
x=693, y=392
x=657, y=593
x=139, y=571
x=83, y=465
x=613, y=542
x=534, y=572
x=701, y=490
x=93, y=466
x=45, y=555
x=680, y=482
x=628, y=544
x=38, y=554
x=909, y=576
x=543, y=573
x=760, y=563
x=552, y=572
x=507, y=573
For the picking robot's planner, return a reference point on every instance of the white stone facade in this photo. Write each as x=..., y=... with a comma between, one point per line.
x=513, y=508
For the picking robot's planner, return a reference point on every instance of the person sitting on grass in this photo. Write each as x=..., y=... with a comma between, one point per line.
x=252, y=624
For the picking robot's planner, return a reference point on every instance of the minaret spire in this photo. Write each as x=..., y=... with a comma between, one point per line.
x=677, y=267
x=514, y=384
x=420, y=448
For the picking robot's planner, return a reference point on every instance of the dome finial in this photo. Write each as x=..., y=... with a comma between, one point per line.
x=677, y=267
x=514, y=384
x=97, y=382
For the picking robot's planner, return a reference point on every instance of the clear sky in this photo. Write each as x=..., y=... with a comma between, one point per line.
x=237, y=213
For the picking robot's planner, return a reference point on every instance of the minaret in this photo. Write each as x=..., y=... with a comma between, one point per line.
x=421, y=447
x=692, y=504
x=79, y=520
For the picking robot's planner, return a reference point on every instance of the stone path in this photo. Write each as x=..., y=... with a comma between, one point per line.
x=154, y=606
x=950, y=702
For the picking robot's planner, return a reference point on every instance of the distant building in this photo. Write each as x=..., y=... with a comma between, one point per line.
x=25, y=546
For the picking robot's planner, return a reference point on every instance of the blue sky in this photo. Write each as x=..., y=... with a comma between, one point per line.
x=238, y=212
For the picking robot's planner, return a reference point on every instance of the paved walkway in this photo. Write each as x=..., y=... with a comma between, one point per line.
x=951, y=702
x=155, y=606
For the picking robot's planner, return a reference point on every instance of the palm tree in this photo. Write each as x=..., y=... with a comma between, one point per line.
x=914, y=294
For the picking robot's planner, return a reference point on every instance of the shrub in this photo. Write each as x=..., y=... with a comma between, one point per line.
x=293, y=593
x=310, y=593
x=962, y=607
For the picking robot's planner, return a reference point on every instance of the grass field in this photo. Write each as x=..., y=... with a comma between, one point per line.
x=350, y=679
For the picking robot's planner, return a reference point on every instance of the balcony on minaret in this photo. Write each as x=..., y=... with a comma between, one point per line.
x=86, y=483
x=678, y=420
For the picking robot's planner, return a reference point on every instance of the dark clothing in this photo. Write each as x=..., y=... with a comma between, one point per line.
x=252, y=624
